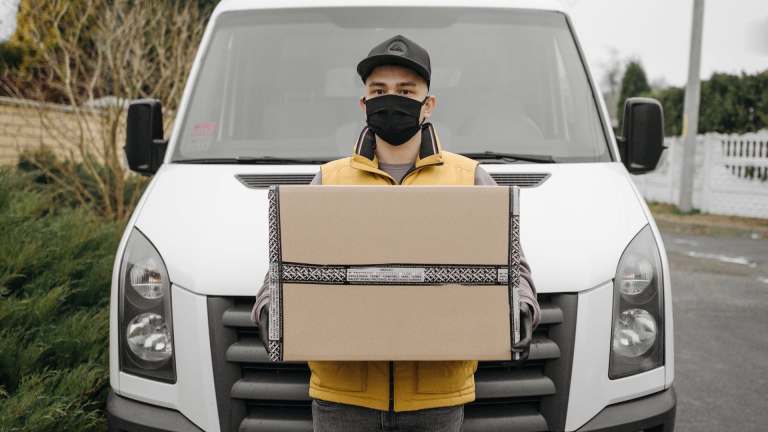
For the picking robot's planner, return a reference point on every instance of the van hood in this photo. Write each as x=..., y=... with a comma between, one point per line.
x=211, y=230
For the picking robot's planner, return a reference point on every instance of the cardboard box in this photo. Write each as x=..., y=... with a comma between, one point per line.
x=393, y=273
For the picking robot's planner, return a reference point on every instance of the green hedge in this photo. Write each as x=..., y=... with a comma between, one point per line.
x=729, y=104
x=55, y=271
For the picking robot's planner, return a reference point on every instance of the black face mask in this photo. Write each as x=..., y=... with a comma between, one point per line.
x=395, y=119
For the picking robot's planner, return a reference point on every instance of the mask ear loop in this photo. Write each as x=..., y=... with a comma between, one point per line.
x=424, y=122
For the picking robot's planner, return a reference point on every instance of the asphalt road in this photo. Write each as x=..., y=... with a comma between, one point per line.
x=720, y=297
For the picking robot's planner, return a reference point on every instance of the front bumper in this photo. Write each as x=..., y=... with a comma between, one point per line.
x=127, y=415
x=654, y=413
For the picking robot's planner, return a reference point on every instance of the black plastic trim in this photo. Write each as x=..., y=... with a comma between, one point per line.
x=231, y=411
x=651, y=413
x=126, y=415
x=554, y=407
x=520, y=418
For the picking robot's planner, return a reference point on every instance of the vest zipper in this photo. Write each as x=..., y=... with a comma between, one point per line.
x=414, y=169
x=391, y=386
x=391, y=363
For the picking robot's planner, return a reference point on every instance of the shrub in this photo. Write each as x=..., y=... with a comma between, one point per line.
x=55, y=267
x=729, y=104
x=71, y=183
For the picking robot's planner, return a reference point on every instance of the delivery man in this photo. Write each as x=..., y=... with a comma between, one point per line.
x=398, y=147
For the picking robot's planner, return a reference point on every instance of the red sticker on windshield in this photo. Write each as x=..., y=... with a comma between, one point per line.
x=203, y=129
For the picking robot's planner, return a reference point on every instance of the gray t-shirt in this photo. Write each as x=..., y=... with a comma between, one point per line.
x=397, y=171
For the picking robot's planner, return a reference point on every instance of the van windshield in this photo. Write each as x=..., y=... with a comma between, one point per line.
x=282, y=84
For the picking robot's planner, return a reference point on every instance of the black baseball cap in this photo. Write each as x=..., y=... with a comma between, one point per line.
x=397, y=50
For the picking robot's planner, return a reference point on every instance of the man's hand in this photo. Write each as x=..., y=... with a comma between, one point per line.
x=264, y=326
x=526, y=332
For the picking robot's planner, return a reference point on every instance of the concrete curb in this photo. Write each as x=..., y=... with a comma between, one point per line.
x=684, y=225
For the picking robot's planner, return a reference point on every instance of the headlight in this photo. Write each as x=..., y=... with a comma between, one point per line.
x=147, y=278
x=636, y=275
x=146, y=324
x=637, y=337
x=634, y=333
x=148, y=337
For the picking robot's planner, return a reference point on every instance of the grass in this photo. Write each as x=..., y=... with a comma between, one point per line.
x=670, y=217
x=664, y=208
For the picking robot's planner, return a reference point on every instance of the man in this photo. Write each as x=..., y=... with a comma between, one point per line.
x=398, y=147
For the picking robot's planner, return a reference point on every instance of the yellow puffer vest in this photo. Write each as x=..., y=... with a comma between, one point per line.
x=417, y=385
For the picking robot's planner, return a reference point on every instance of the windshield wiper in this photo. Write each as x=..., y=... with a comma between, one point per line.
x=511, y=156
x=249, y=160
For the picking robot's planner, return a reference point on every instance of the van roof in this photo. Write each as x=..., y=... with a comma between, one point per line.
x=238, y=5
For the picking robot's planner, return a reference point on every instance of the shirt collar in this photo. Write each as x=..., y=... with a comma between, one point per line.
x=364, y=156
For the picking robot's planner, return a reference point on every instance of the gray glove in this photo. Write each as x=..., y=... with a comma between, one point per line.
x=526, y=332
x=261, y=316
x=264, y=326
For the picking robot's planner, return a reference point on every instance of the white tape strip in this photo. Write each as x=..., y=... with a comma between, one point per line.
x=386, y=274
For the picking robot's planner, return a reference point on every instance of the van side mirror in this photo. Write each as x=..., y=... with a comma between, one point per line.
x=642, y=139
x=144, y=143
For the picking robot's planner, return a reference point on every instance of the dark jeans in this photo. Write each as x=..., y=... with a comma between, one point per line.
x=336, y=417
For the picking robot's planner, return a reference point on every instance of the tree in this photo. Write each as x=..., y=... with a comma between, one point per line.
x=729, y=104
x=10, y=57
x=671, y=99
x=102, y=53
x=633, y=84
x=733, y=103
x=207, y=5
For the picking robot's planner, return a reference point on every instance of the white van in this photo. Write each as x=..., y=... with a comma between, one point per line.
x=272, y=94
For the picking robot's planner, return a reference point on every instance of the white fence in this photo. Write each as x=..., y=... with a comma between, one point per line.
x=731, y=175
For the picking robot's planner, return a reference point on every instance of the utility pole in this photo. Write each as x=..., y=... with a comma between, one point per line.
x=691, y=112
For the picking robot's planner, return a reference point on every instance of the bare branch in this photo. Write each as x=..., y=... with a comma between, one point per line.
x=96, y=55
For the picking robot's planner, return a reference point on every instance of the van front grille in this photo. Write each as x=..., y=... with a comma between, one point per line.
x=256, y=395
x=257, y=181
x=520, y=179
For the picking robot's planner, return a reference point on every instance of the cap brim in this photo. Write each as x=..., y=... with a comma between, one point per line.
x=365, y=67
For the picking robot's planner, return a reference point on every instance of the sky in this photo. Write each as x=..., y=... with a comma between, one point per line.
x=7, y=17
x=657, y=32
